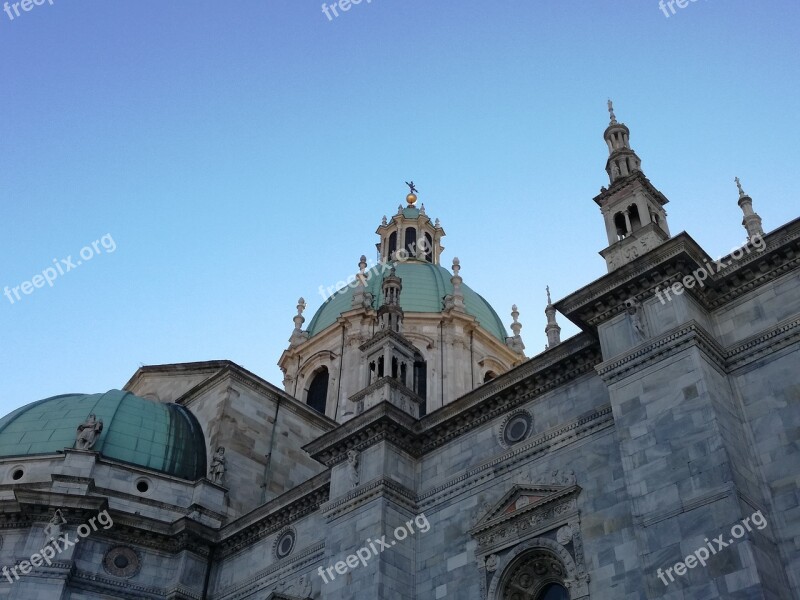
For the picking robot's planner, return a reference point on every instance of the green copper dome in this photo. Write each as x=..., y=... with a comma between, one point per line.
x=147, y=433
x=424, y=287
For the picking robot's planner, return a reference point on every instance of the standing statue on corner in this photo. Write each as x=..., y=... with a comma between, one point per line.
x=352, y=468
x=217, y=472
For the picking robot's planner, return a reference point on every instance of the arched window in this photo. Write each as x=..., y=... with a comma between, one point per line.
x=622, y=228
x=392, y=245
x=633, y=215
x=428, y=248
x=421, y=380
x=553, y=591
x=318, y=391
x=489, y=376
x=411, y=241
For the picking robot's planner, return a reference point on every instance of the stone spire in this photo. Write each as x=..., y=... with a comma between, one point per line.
x=298, y=335
x=456, y=300
x=552, y=329
x=390, y=315
x=515, y=342
x=361, y=298
x=751, y=220
x=622, y=161
x=632, y=208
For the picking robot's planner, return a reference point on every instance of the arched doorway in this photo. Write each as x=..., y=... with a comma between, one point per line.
x=537, y=574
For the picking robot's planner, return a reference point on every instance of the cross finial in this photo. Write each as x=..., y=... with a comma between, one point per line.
x=611, y=111
x=739, y=185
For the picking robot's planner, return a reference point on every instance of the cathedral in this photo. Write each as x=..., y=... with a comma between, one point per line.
x=414, y=451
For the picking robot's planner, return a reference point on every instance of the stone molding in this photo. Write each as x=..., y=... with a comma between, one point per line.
x=263, y=580
x=547, y=441
x=782, y=335
x=274, y=516
x=120, y=588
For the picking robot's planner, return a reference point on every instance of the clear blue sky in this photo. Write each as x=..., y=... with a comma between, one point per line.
x=242, y=153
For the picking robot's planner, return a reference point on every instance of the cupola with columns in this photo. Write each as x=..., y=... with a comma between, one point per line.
x=632, y=208
x=403, y=330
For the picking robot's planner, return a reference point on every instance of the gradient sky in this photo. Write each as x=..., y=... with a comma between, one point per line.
x=242, y=153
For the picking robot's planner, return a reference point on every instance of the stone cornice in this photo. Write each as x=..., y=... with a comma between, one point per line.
x=381, y=487
x=784, y=334
x=391, y=382
x=137, y=530
x=381, y=422
x=676, y=340
x=691, y=333
x=623, y=183
x=676, y=258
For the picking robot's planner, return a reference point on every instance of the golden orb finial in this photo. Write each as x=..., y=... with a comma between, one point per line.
x=411, y=199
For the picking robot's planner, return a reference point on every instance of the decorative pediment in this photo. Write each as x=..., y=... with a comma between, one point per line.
x=521, y=498
x=528, y=509
x=524, y=499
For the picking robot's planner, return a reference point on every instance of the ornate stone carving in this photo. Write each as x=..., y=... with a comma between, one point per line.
x=88, y=432
x=564, y=535
x=297, y=589
x=530, y=565
x=491, y=562
x=563, y=477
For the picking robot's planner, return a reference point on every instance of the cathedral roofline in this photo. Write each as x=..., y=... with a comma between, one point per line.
x=676, y=258
x=218, y=370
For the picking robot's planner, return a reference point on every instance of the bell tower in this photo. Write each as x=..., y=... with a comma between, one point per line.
x=632, y=208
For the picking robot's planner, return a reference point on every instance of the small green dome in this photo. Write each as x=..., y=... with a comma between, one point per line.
x=159, y=436
x=424, y=287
